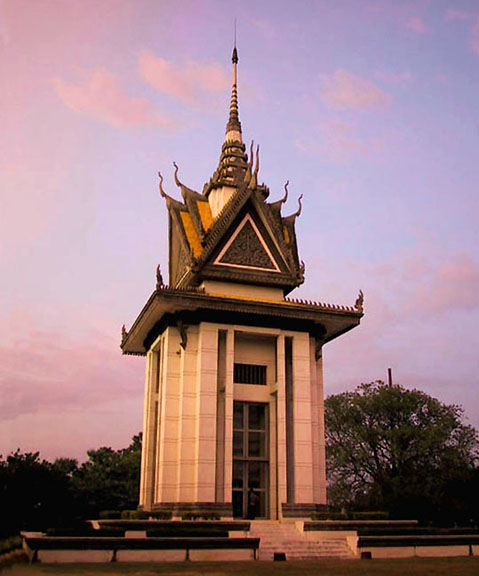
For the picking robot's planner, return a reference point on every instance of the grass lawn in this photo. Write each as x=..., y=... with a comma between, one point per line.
x=462, y=566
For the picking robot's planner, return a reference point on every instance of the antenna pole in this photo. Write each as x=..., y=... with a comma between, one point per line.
x=390, y=377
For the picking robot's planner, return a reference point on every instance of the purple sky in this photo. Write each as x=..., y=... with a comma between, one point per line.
x=369, y=108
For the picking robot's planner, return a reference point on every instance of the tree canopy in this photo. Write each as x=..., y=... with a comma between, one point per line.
x=399, y=450
x=109, y=479
x=36, y=494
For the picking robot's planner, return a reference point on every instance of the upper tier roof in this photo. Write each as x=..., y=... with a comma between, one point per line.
x=229, y=232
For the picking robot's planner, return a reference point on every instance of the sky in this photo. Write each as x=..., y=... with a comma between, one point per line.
x=369, y=108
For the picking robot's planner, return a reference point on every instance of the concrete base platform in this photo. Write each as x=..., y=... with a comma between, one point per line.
x=420, y=551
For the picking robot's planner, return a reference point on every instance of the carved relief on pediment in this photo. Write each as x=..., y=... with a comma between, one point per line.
x=246, y=249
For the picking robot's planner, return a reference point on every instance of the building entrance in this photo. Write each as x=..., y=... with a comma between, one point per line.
x=250, y=460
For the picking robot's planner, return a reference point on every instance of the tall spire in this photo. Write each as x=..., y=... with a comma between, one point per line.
x=233, y=128
x=231, y=173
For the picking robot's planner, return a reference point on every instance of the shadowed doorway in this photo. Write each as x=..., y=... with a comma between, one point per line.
x=250, y=459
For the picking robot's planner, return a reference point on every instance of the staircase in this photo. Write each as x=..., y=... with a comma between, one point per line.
x=285, y=538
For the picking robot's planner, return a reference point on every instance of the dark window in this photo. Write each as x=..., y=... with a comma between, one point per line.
x=249, y=374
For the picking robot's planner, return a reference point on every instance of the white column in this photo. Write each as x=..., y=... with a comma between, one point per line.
x=206, y=412
x=303, y=460
x=230, y=352
x=186, y=490
x=281, y=424
x=315, y=422
x=322, y=443
x=149, y=431
x=273, y=457
x=169, y=414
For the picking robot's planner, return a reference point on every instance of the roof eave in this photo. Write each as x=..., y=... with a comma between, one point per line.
x=166, y=300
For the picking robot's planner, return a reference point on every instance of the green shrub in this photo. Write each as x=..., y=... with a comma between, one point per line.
x=329, y=516
x=159, y=515
x=109, y=515
x=369, y=515
x=200, y=516
x=374, y=515
x=135, y=515
x=9, y=544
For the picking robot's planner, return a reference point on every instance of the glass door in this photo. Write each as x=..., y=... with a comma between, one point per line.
x=250, y=460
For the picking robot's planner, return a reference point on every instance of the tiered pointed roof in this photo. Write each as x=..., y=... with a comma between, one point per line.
x=229, y=232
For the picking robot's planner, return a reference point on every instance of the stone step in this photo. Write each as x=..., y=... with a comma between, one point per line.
x=299, y=556
x=305, y=549
x=287, y=539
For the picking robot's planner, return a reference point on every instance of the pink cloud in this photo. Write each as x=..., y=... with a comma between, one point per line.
x=457, y=15
x=183, y=82
x=344, y=91
x=4, y=30
x=341, y=139
x=100, y=96
x=454, y=286
x=422, y=284
x=58, y=374
x=339, y=142
x=70, y=432
x=443, y=78
x=415, y=24
x=395, y=78
x=264, y=27
x=472, y=18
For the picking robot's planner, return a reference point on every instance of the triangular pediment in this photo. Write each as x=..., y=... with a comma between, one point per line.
x=247, y=249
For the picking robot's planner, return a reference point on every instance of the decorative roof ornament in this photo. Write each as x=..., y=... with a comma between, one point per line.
x=285, y=197
x=300, y=204
x=159, y=278
x=247, y=176
x=169, y=200
x=359, y=302
x=124, y=333
x=183, y=330
x=254, y=179
x=302, y=269
x=162, y=192
x=177, y=182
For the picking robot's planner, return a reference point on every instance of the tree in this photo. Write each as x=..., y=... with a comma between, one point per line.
x=398, y=450
x=34, y=493
x=110, y=479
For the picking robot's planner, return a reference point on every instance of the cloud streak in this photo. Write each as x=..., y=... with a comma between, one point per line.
x=453, y=286
x=100, y=96
x=344, y=90
x=415, y=24
x=57, y=374
x=396, y=78
x=185, y=82
x=472, y=18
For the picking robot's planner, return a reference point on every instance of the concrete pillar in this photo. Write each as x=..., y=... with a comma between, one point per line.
x=303, y=458
x=220, y=417
x=229, y=392
x=206, y=386
x=169, y=415
x=281, y=423
x=321, y=433
x=149, y=431
x=186, y=490
x=315, y=422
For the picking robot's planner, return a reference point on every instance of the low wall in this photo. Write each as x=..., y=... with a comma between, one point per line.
x=137, y=549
